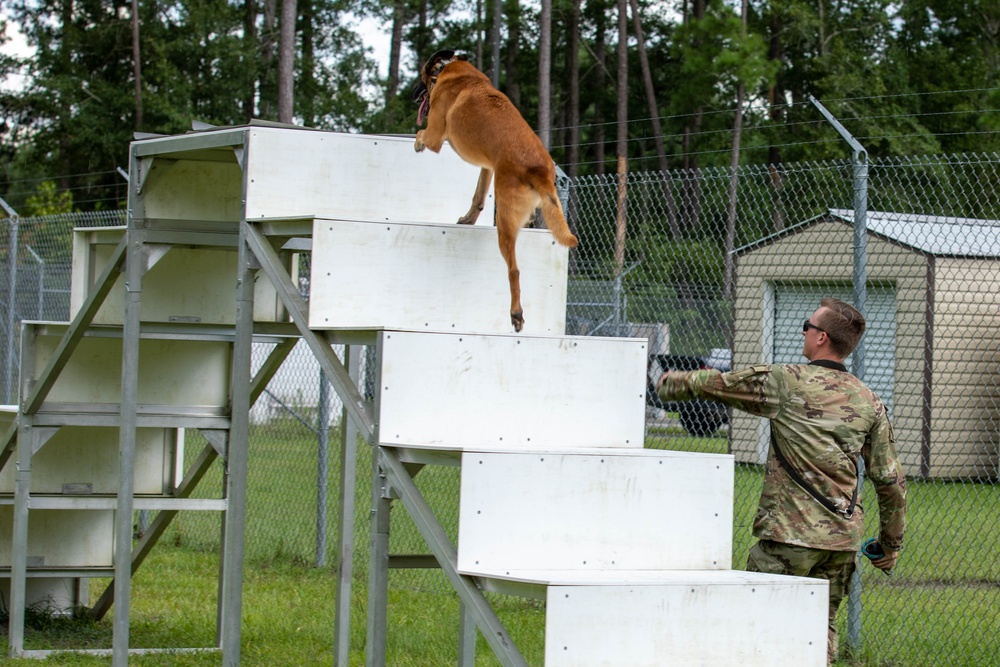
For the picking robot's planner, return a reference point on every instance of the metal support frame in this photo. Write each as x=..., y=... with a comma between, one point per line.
x=391, y=478
x=144, y=243
x=135, y=254
x=345, y=514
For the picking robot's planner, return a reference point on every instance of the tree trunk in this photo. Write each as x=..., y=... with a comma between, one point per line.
x=479, y=35
x=545, y=75
x=692, y=179
x=654, y=114
x=600, y=55
x=395, y=47
x=729, y=270
x=777, y=103
x=421, y=42
x=286, y=61
x=268, y=92
x=573, y=74
x=136, y=65
x=494, y=40
x=512, y=88
x=250, y=39
x=622, y=144
x=308, y=85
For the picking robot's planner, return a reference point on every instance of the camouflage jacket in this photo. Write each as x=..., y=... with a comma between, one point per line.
x=822, y=419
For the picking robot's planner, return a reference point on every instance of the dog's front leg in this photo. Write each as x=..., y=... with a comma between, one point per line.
x=479, y=198
x=433, y=135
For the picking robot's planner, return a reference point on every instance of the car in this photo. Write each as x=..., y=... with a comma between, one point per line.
x=699, y=417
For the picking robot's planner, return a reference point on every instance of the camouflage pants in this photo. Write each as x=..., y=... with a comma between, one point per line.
x=834, y=566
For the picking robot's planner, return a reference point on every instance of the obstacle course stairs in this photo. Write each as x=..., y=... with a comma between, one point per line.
x=629, y=548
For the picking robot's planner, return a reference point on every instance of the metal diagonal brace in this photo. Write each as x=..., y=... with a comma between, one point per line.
x=76, y=330
x=476, y=604
x=7, y=443
x=339, y=378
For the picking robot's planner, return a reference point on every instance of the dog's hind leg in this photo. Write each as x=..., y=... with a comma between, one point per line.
x=479, y=198
x=507, y=230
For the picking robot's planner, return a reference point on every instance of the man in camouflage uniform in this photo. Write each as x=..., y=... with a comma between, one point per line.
x=822, y=419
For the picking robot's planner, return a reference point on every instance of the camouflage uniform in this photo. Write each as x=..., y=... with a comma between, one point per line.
x=822, y=419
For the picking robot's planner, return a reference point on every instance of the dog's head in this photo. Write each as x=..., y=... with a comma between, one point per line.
x=428, y=77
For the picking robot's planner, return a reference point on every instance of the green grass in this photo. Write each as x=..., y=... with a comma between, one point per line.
x=940, y=607
x=289, y=610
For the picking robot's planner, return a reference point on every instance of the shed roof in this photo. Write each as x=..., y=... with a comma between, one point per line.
x=941, y=236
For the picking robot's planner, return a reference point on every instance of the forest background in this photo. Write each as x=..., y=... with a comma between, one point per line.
x=680, y=84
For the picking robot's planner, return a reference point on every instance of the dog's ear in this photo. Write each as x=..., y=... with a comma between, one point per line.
x=462, y=56
x=444, y=54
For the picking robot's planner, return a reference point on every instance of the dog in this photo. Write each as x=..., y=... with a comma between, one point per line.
x=486, y=130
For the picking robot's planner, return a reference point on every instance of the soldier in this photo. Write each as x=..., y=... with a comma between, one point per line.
x=823, y=419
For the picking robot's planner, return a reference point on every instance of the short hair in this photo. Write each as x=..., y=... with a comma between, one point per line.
x=843, y=323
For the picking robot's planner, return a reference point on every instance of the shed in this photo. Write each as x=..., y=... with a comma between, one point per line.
x=932, y=348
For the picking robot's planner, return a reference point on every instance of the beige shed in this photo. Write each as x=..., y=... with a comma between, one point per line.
x=932, y=350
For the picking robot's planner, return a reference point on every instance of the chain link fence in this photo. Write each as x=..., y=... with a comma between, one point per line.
x=660, y=266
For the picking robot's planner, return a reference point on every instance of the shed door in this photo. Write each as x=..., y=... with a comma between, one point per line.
x=795, y=303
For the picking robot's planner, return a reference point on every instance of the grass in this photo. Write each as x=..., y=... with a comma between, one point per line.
x=941, y=606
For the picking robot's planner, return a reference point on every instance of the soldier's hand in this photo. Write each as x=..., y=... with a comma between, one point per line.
x=661, y=380
x=887, y=562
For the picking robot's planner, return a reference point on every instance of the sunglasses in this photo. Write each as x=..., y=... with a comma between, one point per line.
x=807, y=325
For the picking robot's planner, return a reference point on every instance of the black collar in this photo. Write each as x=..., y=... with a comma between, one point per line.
x=828, y=363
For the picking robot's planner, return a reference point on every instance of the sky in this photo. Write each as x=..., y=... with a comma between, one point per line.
x=374, y=36
x=16, y=46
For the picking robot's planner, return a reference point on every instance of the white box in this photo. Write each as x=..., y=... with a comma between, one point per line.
x=84, y=460
x=595, y=510
x=193, y=374
x=186, y=285
x=463, y=391
x=432, y=278
x=62, y=538
x=50, y=595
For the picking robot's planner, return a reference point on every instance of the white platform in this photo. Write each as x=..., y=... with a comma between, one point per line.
x=286, y=172
x=462, y=391
x=600, y=511
x=431, y=278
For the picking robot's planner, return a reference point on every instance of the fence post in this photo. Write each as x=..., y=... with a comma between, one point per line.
x=12, y=337
x=860, y=165
x=322, y=467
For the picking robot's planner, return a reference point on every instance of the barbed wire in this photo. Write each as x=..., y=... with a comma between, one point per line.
x=748, y=130
x=772, y=108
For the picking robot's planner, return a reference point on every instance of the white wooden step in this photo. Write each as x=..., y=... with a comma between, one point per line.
x=462, y=391
x=426, y=277
x=292, y=172
x=681, y=618
x=595, y=511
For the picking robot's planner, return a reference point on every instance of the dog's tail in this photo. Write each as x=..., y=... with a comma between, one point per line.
x=555, y=221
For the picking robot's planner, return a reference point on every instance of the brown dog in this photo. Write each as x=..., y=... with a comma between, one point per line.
x=486, y=130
